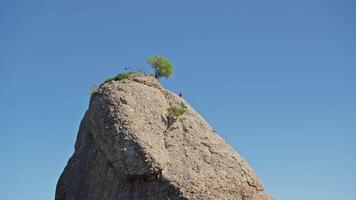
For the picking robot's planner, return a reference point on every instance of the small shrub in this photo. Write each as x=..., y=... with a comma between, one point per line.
x=175, y=113
x=121, y=76
x=124, y=75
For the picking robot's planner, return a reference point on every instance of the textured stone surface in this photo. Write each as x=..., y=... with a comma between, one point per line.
x=125, y=150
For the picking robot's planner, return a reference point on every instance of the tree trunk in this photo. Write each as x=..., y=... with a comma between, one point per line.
x=156, y=72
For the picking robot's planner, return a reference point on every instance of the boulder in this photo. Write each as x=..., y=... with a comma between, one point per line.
x=126, y=149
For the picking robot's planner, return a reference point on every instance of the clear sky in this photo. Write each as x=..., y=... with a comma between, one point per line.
x=275, y=78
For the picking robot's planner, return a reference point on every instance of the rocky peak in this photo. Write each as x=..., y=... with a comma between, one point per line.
x=125, y=149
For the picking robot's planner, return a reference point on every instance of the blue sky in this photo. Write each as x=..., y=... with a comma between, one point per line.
x=275, y=78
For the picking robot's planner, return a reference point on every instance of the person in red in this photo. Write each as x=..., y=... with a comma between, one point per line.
x=180, y=94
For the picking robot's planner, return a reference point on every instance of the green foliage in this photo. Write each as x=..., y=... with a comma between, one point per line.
x=175, y=113
x=124, y=75
x=121, y=76
x=161, y=65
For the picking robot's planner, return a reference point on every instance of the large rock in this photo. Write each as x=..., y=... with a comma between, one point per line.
x=125, y=149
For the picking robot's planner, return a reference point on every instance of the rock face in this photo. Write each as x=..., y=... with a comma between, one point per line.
x=126, y=151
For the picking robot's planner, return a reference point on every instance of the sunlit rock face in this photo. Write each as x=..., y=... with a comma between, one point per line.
x=127, y=150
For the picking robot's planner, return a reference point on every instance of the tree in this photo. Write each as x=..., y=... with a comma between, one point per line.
x=161, y=65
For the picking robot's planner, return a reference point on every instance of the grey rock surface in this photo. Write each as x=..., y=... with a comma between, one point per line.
x=126, y=151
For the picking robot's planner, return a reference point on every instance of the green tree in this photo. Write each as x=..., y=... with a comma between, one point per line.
x=161, y=65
